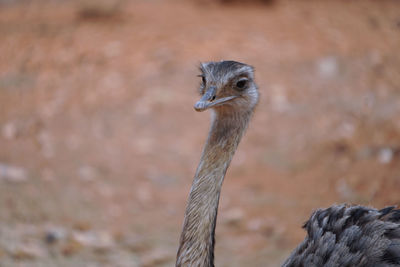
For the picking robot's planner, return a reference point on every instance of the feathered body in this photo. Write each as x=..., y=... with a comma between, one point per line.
x=349, y=236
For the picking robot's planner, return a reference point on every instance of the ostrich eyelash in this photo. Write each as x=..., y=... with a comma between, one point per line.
x=202, y=84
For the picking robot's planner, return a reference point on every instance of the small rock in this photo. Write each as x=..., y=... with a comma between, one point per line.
x=144, y=145
x=27, y=252
x=162, y=179
x=46, y=144
x=48, y=175
x=143, y=194
x=105, y=190
x=9, y=130
x=255, y=225
x=328, y=67
x=82, y=226
x=113, y=84
x=98, y=240
x=279, y=100
x=104, y=240
x=71, y=247
x=156, y=258
x=12, y=173
x=375, y=58
x=51, y=238
x=137, y=245
x=121, y=258
x=112, y=49
x=2, y=253
x=99, y=9
x=271, y=227
x=87, y=173
x=115, y=210
x=22, y=255
x=344, y=190
x=233, y=216
x=54, y=235
x=365, y=153
x=346, y=130
x=385, y=155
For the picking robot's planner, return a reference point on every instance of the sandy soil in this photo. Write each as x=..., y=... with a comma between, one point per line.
x=99, y=140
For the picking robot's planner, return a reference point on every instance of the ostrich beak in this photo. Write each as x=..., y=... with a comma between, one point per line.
x=208, y=100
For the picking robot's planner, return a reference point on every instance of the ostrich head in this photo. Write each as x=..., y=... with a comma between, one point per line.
x=227, y=86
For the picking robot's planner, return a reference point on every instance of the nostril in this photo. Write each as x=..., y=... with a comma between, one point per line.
x=213, y=98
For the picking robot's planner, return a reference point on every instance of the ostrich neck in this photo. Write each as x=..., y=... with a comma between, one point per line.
x=197, y=238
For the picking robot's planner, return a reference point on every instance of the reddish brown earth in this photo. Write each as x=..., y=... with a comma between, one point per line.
x=99, y=140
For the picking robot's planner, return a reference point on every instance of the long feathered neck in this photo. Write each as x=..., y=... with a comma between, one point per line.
x=197, y=239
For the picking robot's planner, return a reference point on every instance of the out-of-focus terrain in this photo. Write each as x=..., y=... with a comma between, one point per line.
x=99, y=140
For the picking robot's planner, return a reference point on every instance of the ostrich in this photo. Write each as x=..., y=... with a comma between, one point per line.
x=338, y=236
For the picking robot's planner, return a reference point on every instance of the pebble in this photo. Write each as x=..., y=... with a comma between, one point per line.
x=144, y=194
x=9, y=131
x=71, y=247
x=270, y=227
x=233, y=216
x=98, y=240
x=12, y=173
x=279, y=100
x=156, y=258
x=112, y=49
x=136, y=245
x=385, y=155
x=328, y=67
x=255, y=225
x=55, y=235
x=87, y=173
x=46, y=144
x=27, y=252
x=344, y=190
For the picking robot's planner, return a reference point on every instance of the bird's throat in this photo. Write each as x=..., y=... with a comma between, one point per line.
x=197, y=238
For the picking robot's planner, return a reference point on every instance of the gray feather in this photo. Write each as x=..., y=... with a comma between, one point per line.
x=349, y=236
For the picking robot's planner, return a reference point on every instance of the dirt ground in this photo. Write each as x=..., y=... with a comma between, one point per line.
x=99, y=140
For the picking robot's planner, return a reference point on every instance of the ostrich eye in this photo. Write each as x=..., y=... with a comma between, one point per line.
x=241, y=84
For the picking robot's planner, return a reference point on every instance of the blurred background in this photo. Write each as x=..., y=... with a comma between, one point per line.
x=99, y=140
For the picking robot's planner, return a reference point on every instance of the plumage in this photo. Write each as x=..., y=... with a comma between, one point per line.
x=349, y=236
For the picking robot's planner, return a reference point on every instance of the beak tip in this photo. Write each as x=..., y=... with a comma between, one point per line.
x=199, y=106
